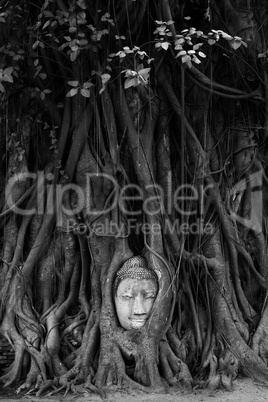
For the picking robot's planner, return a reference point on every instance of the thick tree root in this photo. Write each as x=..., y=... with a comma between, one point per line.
x=112, y=372
x=32, y=378
x=214, y=379
x=93, y=388
x=57, y=384
x=228, y=368
x=259, y=342
x=174, y=370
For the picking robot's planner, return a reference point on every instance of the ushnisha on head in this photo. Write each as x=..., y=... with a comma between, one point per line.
x=135, y=290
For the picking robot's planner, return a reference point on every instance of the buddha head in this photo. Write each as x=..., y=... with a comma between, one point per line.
x=135, y=290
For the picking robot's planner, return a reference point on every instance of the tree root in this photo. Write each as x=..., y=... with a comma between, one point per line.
x=31, y=379
x=175, y=371
x=228, y=368
x=214, y=378
x=90, y=386
x=259, y=342
x=113, y=371
x=57, y=384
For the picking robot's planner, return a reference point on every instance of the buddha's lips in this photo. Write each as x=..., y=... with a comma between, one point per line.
x=138, y=321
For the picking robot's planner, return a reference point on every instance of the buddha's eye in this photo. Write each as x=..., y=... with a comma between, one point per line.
x=127, y=297
x=151, y=296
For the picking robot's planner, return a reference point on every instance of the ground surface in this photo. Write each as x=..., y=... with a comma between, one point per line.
x=245, y=390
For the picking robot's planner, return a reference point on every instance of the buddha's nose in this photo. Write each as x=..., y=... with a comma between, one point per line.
x=138, y=307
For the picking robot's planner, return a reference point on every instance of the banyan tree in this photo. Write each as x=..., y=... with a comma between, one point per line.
x=133, y=128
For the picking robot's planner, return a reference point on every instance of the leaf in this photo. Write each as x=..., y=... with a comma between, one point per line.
x=48, y=14
x=211, y=41
x=179, y=41
x=81, y=4
x=18, y=57
x=129, y=73
x=83, y=42
x=187, y=18
x=72, y=92
x=2, y=88
x=46, y=24
x=105, y=78
x=73, y=55
x=36, y=43
x=75, y=48
x=130, y=82
x=197, y=46
x=7, y=78
x=161, y=29
x=121, y=54
x=127, y=50
x=73, y=83
x=181, y=53
x=165, y=45
x=38, y=69
x=186, y=59
x=236, y=43
x=85, y=92
x=226, y=36
x=8, y=71
x=145, y=71
x=144, y=74
x=47, y=91
x=201, y=54
x=196, y=59
x=43, y=76
x=87, y=84
x=263, y=54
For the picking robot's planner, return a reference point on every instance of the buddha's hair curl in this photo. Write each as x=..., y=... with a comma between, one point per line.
x=134, y=268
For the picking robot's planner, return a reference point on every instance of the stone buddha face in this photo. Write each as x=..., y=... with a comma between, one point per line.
x=135, y=292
